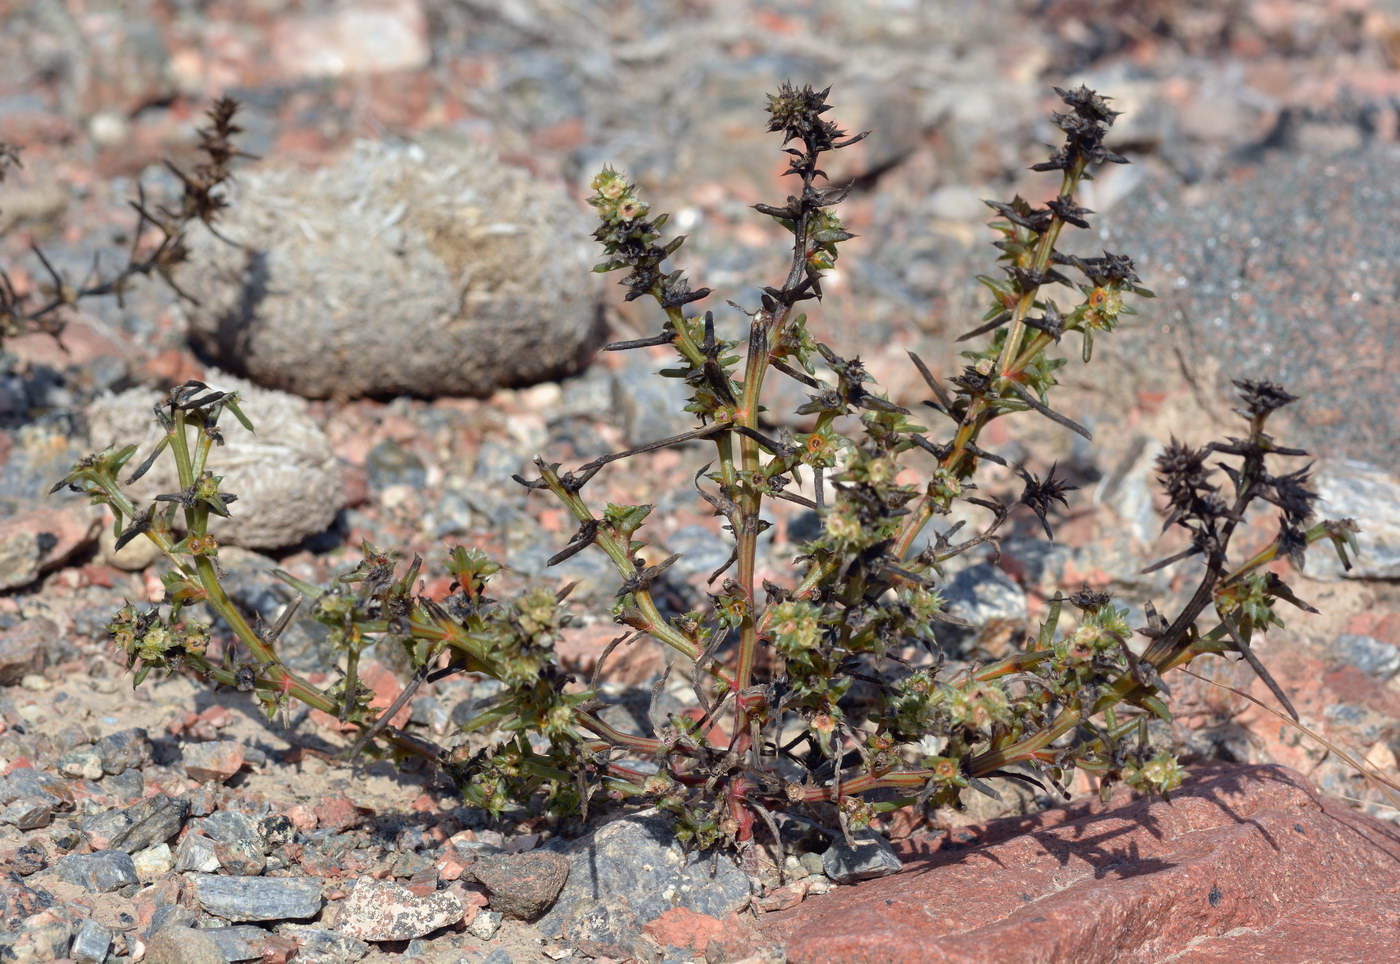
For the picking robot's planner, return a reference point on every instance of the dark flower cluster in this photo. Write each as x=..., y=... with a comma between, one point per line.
x=1085, y=125
x=797, y=115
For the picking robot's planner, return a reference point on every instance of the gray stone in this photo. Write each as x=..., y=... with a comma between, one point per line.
x=183, y=945
x=485, y=925
x=871, y=857
x=215, y=761
x=40, y=540
x=196, y=852
x=258, y=898
x=27, y=814
x=26, y=859
x=702, y=551
x=1368, y=654
x=124, y=750
x=1371, y=496
x=91, y=943
x=318, y=946
x=150, y=821
x=24, y=648
x=389, y=463
x=629, y=873
x=229, y=826
x=66, y=836
x=651, y=406
x=170, y=915
x=984, y=596
x=43, y=452
x=1129, y=488
x=1268, y=277
x=286, y=476
x=242, y=942
x=153, y=861
x=498, y=955
x=82, y=763
x=426, y=270
x=522, y=885
x=98, y=873
x=127, y=786
x=594, y=576
x=379, y=910
x=1037, y=564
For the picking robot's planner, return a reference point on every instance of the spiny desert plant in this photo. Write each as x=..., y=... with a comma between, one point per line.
x=157, y=239
x=830, y=690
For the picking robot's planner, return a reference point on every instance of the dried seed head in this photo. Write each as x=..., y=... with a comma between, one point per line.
x=1262, y=397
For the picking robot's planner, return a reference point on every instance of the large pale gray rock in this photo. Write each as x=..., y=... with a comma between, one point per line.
x=1267, y=276
x=285, y=474
x=426, y=269
x=1371, y=496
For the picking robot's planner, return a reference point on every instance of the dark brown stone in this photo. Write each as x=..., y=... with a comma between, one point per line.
x=522, y=885
x=1245, y=864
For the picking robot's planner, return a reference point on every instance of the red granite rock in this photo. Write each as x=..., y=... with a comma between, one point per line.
x=338, y=813
x=217, y=761
x=1245, y=864
x=685, y=929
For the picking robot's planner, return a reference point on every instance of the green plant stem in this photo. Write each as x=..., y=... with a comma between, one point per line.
x=1011, y=363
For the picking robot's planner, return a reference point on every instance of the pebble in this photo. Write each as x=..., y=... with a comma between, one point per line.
x=98, y=873
x=650, y=406
x=486, y=924
x=91, y=943
x=124, y=750
x=216, y=761
x=27, y=814
x=322, y=946
x=42, y=937
x=378, y=910
x=24, y=648
x=241, y=942
x=240, y=858
x=274, y=831
x=196, y=852
x=84, y=764
x=29, y=782
x=228, y=826
x=183, y=945
x=258, y=898
x=24, y=860
x=146, y=822
x=153, y=861
x=1371, y=496
x=871, y=857
x=523, y=886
